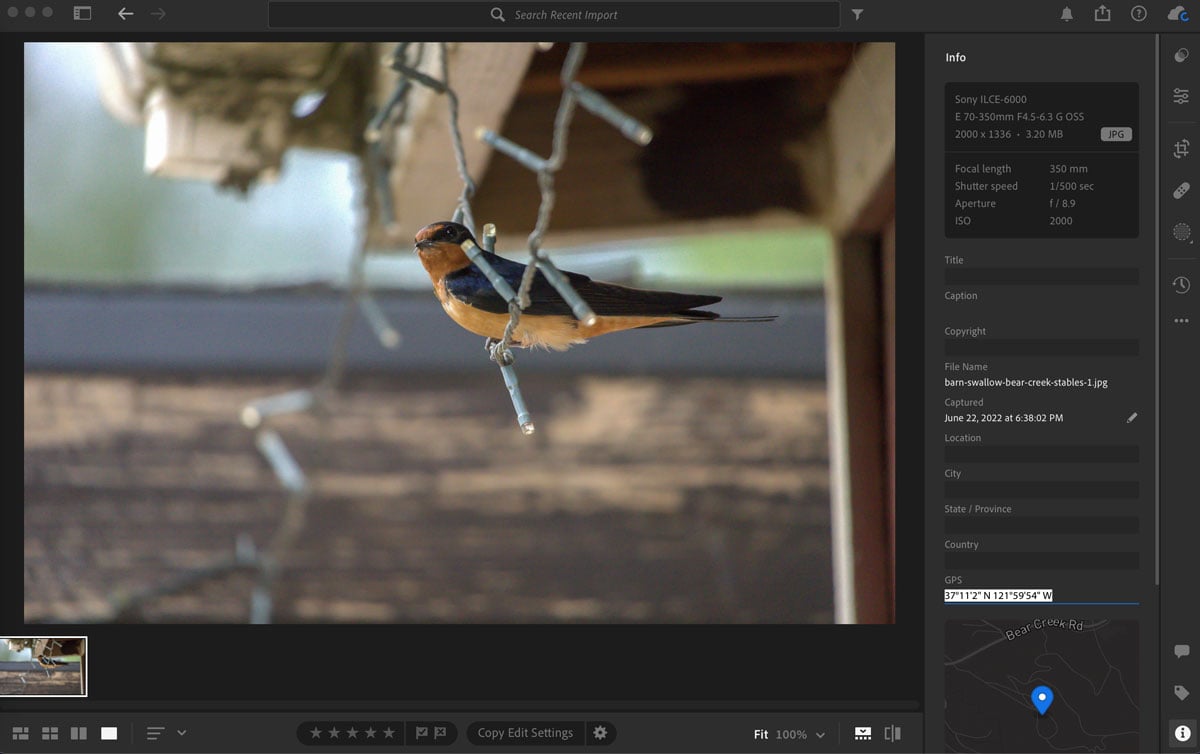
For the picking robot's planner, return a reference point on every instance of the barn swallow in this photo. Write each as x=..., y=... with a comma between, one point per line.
x=471, y=301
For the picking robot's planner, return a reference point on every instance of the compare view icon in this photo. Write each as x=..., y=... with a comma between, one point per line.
x=1042, y=698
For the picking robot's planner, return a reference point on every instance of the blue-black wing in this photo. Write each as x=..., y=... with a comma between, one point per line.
x=472, y=287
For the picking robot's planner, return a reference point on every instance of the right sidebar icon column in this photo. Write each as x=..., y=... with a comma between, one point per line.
x=1179, y=386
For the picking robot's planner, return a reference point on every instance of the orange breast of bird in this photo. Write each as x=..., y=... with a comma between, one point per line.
x=555, y=332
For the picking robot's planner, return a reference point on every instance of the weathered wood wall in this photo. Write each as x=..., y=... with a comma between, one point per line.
x=27, y=678
x=662, y=499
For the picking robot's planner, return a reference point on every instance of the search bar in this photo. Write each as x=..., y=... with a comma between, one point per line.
x=288, y=14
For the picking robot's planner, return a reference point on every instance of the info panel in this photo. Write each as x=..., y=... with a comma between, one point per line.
x=1041, y=387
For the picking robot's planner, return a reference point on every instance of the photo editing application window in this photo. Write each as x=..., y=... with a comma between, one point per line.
x=815, y=376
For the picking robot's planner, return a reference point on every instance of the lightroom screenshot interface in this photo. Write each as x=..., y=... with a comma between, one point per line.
x=816, y=376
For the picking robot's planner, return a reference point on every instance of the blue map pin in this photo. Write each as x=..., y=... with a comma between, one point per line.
x=1042, y=698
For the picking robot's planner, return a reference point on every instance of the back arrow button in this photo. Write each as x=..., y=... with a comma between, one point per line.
x=124, y=14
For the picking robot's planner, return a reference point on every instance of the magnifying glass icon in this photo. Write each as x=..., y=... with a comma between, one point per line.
x=498, y=15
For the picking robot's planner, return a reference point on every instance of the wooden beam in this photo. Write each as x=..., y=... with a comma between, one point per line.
x=860, y=139
x=888, y=250
x=635, y=65
x=707, y=160
x=858, y=181
x=858, y=467
x=424, y=177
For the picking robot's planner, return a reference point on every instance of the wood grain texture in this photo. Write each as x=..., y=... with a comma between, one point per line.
x=658, y=499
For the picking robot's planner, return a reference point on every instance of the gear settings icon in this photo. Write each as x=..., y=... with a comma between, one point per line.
x=600, y=732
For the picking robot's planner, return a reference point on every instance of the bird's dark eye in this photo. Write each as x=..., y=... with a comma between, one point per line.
x=447, y=233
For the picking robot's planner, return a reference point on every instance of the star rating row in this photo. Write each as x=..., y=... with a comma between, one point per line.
x=352, y=732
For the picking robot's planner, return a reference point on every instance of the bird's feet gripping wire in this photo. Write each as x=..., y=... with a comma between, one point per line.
x=498, y=352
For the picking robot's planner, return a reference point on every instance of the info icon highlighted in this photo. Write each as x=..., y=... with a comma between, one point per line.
x=1181, y=734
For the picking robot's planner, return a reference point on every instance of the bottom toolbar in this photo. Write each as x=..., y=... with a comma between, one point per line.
x=459, y=731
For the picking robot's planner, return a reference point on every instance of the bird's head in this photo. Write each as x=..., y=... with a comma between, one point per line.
x=441, y=233
x=442, y=248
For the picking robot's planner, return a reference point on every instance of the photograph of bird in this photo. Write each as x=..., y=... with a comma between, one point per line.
x=469, y=298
